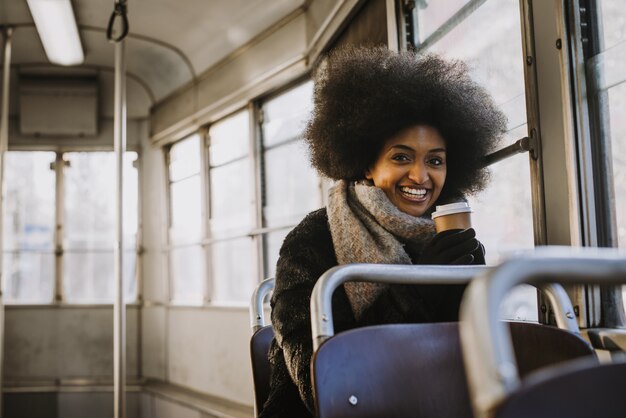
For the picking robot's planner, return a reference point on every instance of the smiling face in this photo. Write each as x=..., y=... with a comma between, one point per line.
x=411, y=169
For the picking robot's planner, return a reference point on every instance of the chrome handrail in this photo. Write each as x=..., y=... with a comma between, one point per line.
x=321, y=309
x=486, y=342
x=257, y=315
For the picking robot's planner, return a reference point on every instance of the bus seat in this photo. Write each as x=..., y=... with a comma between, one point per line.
x=260, y=341
x=579, y=389
x=496, y=384
x=416, y=370
x=259, y=348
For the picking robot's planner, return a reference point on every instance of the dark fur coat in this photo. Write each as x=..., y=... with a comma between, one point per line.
x=306, y=254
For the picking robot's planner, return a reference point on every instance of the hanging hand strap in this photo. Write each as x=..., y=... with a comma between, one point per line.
x=119, y=10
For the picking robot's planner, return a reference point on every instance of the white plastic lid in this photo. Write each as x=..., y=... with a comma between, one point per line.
x=450, y=209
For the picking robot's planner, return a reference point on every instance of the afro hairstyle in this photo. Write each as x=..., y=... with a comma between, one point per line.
x=364, y=96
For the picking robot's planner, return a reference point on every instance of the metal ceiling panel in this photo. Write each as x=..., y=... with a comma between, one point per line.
x=170, y=41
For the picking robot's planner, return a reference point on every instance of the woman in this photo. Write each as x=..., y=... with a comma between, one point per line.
x=401, y=133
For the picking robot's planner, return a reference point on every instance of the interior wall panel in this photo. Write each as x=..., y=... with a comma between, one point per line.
x=154, y=344
x=209, y=351
x=64, y=343
x=102, y=141
x=154, y=220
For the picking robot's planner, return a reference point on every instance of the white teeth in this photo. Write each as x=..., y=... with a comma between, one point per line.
x=414, y=192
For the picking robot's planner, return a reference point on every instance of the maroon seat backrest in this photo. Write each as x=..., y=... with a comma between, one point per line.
x=416, y=370
x=579, y=389
x=259, y=348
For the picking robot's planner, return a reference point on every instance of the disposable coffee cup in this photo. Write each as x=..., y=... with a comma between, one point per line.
x=452, y=216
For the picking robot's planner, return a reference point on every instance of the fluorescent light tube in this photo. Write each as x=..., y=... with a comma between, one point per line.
x=57, y=30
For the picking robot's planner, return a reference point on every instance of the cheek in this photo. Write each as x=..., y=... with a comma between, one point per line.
x=439, y=178
x=385, y=177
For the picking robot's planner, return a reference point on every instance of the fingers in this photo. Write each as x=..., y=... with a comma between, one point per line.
x=460, y=249
x=454, y=236
x=455, y=246
x=443, y=235
x=479, y=254
x=464, y=260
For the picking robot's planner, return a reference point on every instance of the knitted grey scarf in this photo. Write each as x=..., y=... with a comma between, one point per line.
x=366, y=227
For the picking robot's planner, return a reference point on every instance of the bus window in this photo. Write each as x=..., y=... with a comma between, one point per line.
x=435, y=14
x=232, y=253
x=489, y=40
x=187, y=271
x=89, y=227
x=28, y=228
x=613, y=26
x=612, y=18
x=617, y=110
x=291, y=185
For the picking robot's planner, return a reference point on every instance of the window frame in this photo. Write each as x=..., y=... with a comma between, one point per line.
x=212, y=238
x=258, y=229
x=323, y=184
x=200, y=241
x=58, y=166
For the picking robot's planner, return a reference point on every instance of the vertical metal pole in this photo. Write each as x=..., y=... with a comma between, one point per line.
x=534, y=131
x=119, y=307
x=4, y=144
x=255, y=117
x=203, y=144
x=59, y=190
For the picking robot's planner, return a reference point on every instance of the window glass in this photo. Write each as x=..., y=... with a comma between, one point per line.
x=28, y=277
x=187, y=265
x=233, y=267
x=613, y=24
x=231, y=196
x=489, y=41
x=272, y=243
x=29, y=201
x=502, y=213
x=184, y=158
x=89, y=231
x=231, y=191
x=432, y=14
x=285, y=116
x=28, y=227
x=494, y=53
x=617, y=106
x=188, y=273
x=186, y=211
x=229, y=139
x=90, y=200
x=291, y=184
x=613, y=17
x=88, y=276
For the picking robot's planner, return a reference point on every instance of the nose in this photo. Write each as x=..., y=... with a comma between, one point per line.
x=419, y=173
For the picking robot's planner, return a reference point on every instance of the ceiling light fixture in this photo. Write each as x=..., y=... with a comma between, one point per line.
x=57, y=30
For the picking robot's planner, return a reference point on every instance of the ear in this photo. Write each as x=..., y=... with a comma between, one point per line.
x=368, y=174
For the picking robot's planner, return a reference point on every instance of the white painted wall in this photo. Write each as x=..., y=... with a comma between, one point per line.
x=48, y=343
x=209, y=351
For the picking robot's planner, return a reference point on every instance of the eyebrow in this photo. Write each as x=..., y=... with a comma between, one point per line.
x=406, y=147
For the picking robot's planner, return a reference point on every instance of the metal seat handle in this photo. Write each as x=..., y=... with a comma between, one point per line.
x=486, y=342
x=257, y=315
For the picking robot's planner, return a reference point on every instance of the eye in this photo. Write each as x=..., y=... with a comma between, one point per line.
x=400, y=157
x=435, y=161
